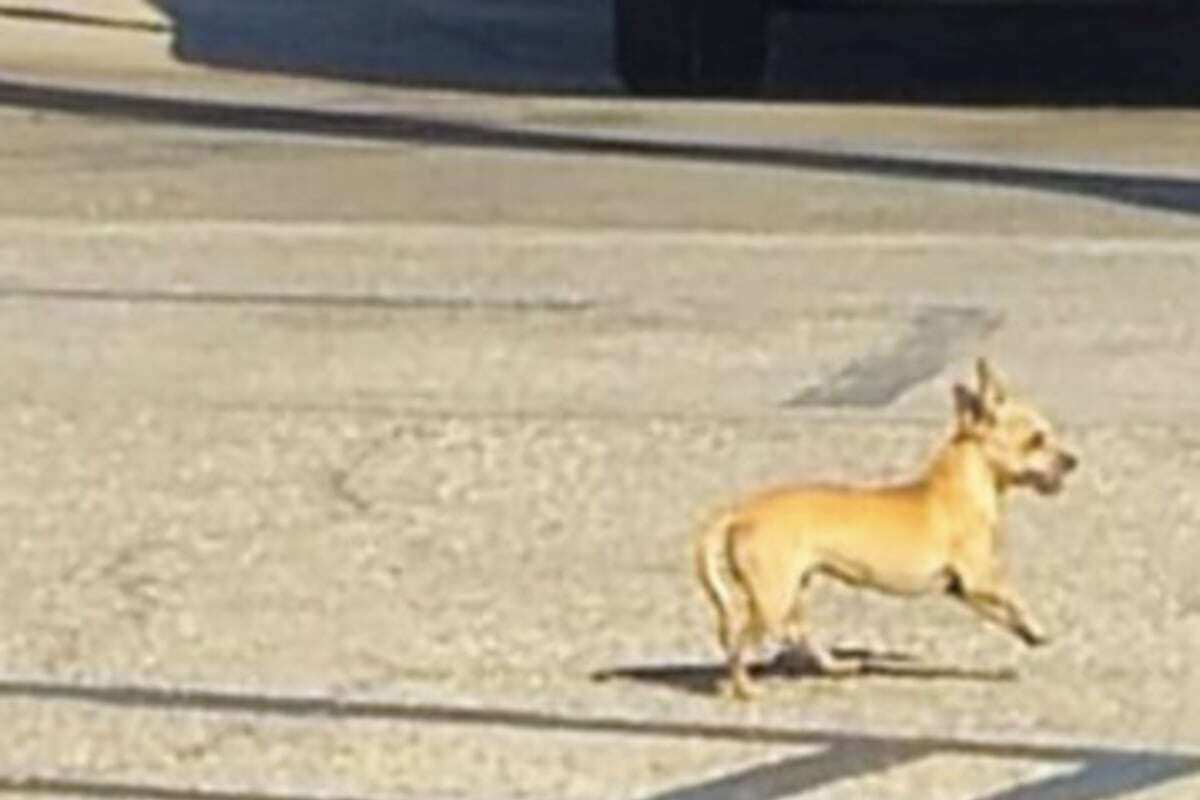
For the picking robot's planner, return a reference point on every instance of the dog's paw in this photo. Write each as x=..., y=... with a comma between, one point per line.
x=742, y=691
x=1034, y=637
x=842, y=667
x=794, y=661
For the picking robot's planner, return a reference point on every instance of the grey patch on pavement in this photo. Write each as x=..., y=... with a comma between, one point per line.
x=386, y=302
x=1087, y=772
x=929, y=342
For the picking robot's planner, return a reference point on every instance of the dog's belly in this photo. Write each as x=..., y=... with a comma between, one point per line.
x=913, y=578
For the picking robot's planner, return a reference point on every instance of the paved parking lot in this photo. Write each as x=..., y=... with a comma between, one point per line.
x=356, y=431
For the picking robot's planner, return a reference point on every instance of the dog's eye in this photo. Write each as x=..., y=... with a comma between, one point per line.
x=1035, y=441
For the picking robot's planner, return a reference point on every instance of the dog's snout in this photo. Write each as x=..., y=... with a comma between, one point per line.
x=1068, y=461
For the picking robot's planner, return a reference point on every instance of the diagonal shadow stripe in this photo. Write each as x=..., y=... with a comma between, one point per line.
x=794, y=777
x=1105, y=777
x=1160, y=192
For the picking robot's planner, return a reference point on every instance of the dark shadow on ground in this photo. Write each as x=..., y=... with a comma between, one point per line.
x=560, y=46
x=707, y=679
x=825, y=756
x=1155, y=192
x=1137, y=55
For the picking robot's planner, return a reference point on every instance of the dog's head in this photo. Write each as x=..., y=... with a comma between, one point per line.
x=1019, y=444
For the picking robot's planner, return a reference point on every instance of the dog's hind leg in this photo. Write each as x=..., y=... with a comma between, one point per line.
x=743, y=643
x=797, y=655
x=802, y=646
x=714, y=556
x=770, y=588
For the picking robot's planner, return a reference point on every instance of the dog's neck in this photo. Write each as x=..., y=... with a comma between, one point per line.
x=960, y=471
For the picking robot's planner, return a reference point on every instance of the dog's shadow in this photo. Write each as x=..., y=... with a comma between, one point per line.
x=709, y=678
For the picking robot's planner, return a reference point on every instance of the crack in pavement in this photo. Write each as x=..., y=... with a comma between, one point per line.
x=341, y=477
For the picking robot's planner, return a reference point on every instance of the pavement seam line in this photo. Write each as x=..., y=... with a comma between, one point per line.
x=575, y=236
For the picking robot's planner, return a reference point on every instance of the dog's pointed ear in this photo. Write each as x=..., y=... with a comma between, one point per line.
x=991, y=387
x=968, y=408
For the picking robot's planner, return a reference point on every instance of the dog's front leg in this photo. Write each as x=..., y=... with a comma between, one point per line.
x=991, y=598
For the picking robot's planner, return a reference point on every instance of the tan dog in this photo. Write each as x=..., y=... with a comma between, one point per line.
x=937, y=533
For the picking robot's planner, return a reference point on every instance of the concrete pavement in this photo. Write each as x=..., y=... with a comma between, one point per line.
x=353, y=455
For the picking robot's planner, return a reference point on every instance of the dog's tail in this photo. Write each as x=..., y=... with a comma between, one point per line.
x=712, y=550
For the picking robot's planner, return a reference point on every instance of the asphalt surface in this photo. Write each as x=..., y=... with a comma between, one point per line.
x=356, y=430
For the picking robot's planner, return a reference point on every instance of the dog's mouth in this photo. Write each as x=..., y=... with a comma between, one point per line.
x=1044, y=483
